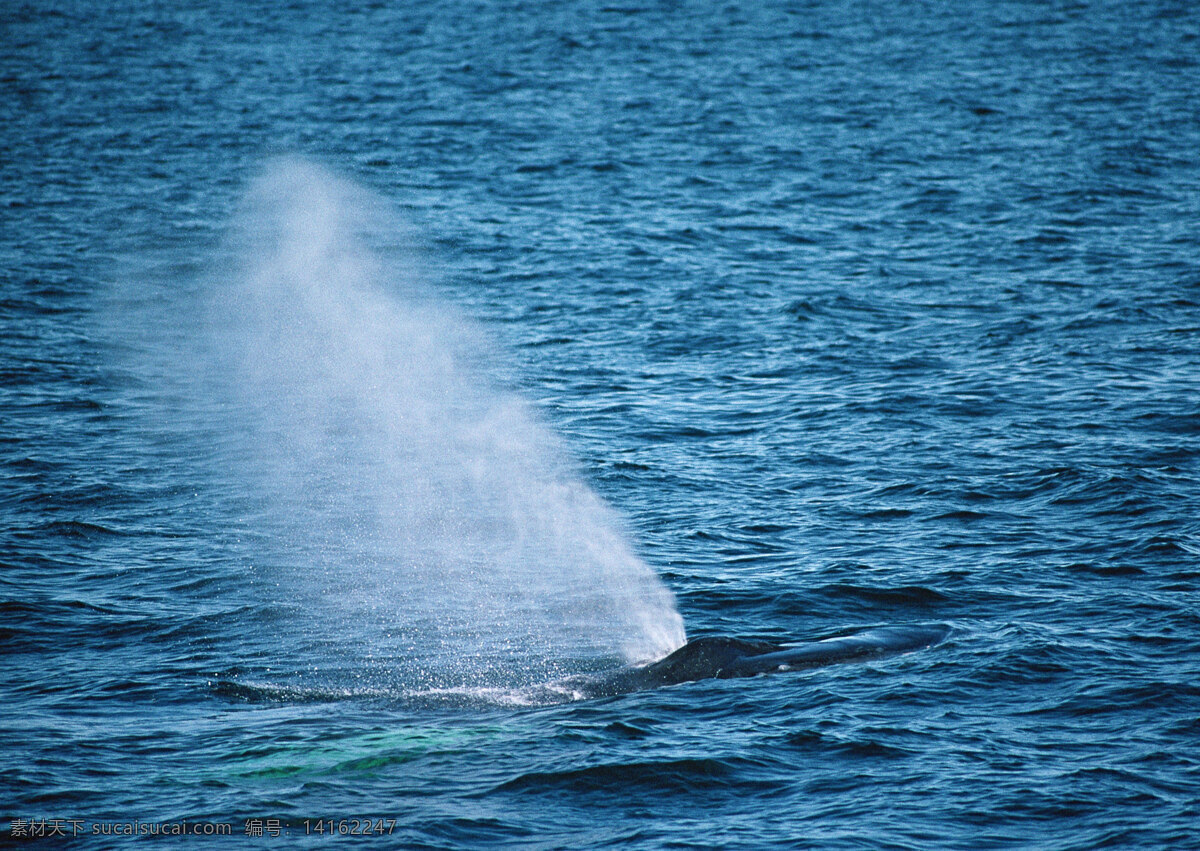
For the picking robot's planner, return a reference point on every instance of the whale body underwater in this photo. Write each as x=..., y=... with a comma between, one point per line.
x=717, y=657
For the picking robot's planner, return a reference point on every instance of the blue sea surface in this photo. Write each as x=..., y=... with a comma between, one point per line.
x=855, y=313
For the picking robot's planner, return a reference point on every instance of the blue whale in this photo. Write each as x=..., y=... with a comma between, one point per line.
x=726, y=658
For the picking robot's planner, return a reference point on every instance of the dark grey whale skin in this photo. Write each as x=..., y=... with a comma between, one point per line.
x=726, y=658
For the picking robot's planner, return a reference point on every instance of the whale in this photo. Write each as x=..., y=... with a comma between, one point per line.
x=705, y=658
x=718, y=657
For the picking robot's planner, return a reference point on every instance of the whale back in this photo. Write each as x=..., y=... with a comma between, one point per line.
x=708, y=657
x=717, y=657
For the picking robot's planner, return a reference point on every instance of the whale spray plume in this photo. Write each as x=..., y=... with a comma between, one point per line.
x=433, y=528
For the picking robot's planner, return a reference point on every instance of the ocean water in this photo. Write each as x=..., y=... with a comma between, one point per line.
x=366, y=367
